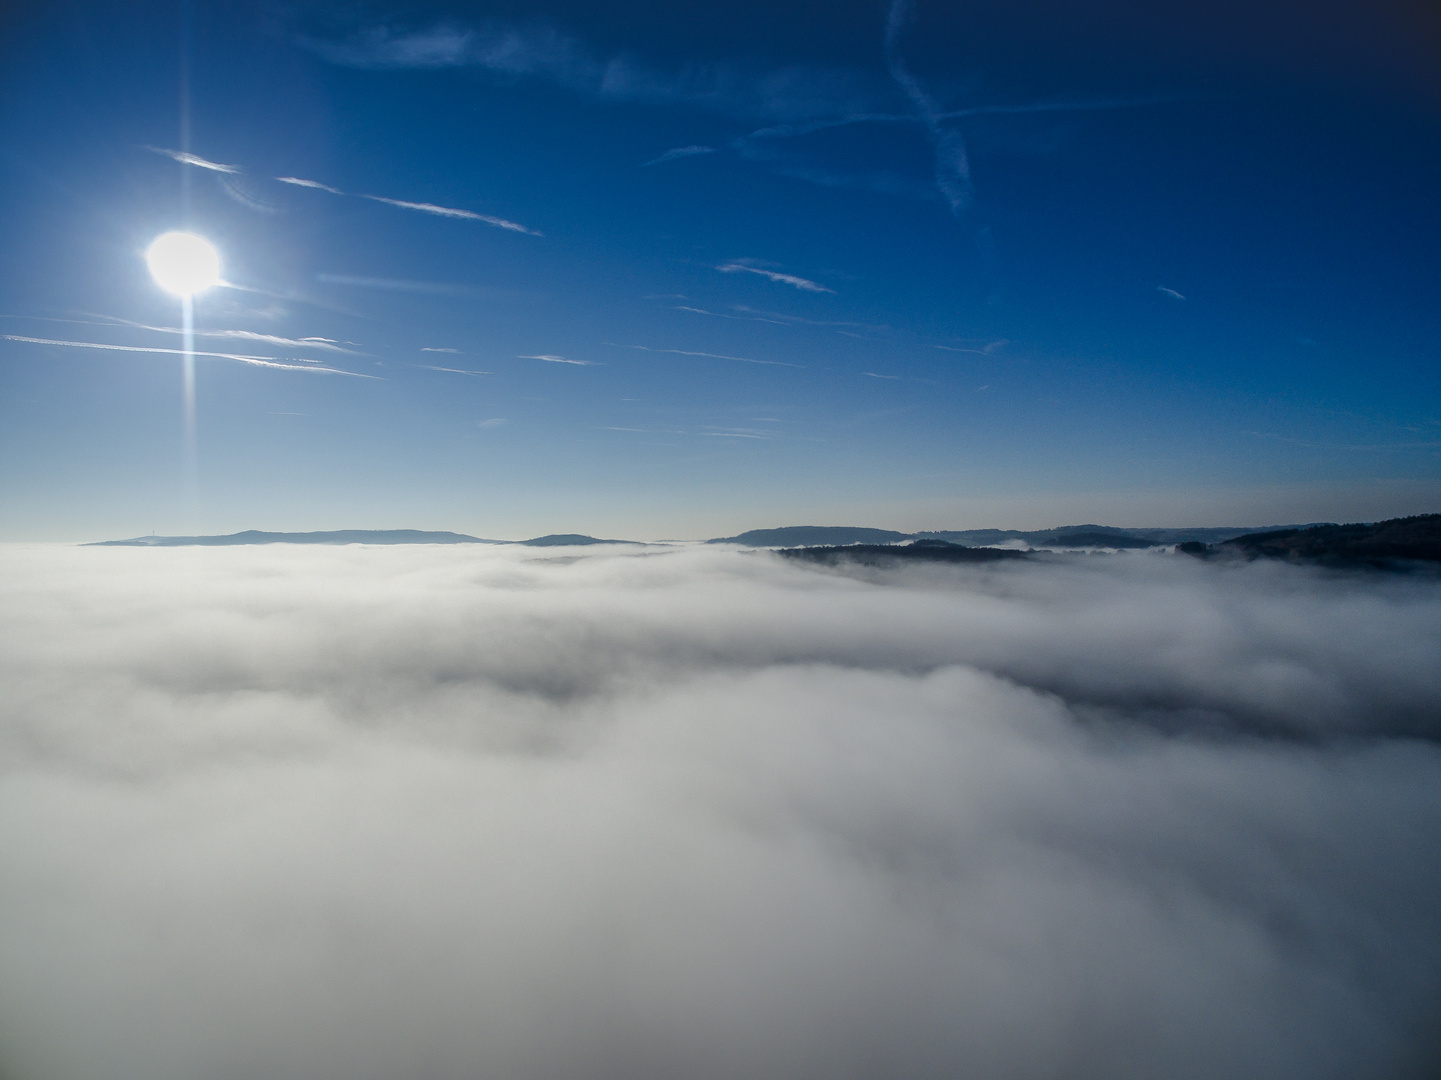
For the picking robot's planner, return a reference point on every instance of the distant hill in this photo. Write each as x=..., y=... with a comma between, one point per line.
x=1062, y=536
x=1409, y=538
x=571, y=540
x=796, y=535
x=341, y=536
x=893, y=554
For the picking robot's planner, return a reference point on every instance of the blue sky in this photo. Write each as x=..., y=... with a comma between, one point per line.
x=680, y=270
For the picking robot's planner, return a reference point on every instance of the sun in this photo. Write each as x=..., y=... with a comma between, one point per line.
x=183, y=263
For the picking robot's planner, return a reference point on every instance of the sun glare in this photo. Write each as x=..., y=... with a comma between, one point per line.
x=183, y=263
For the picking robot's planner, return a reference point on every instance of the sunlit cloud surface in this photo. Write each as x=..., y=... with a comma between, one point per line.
x=362, y=812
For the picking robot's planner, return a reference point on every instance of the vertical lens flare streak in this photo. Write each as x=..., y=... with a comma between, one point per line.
x=184, y=264
x=189, y=468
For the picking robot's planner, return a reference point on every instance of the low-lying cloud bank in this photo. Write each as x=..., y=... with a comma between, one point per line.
x=457, y=812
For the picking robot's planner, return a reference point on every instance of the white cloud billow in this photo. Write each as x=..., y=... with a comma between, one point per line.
x=456, y=811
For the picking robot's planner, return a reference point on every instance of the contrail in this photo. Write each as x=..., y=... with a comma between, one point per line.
x=953, y=166
x=315, y=366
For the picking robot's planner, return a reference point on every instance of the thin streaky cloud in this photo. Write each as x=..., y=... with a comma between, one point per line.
x=1092, y=105
x=774, y=275
x=428, y=348
x=452, y=212
x=423, y=207
x=316, y=184
x=514, y=51
x=435, y=288
x=758, y=145
x=724, y=315
x=553, y=359
x=494, y=421
x=984, y=350
x=1169, y=292
x=194, y=159
x=790, y=131
x=710, y=355
x=643, y=431
x=327, y=344
x=679, y=152
x=275, y=339
x=952, y=165
x=317, y=367
x=778, y=316
x=452, y=370
x=873, y=375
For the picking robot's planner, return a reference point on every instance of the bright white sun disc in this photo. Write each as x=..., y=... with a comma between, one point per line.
x=183, y=263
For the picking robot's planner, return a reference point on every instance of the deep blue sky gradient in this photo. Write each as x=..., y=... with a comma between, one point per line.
x=1013, y=361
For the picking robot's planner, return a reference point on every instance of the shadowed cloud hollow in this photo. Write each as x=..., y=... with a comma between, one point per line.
x=462, y=811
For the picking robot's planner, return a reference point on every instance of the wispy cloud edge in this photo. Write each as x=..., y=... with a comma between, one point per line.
x=793, y=280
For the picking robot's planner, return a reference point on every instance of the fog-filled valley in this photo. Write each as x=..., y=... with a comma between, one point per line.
x=446, y=812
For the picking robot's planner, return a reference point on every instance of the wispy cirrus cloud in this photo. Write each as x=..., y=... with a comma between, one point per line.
x=985, y=350
x=766, y=146
x=316, y=185
x=736, y=433
x=422, y=207
x=543, y=52
x=452, y=212
x=313, y=184
x=315, y=367
x=805, y=284
x=194, y=159
x=725, y=315
x=709, y=355
x=431, y=288
x=552, y=358
x=952, y=165
x=452, y=370
x=1172, y=293
x=429, y=348
x=782, y=317
x=326, y=344
x=777, y=318
x=679, y=152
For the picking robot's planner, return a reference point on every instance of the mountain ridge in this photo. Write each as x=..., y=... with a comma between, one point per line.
x=1089, y=535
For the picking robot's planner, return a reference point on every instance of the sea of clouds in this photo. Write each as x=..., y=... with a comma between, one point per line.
x=445, y=812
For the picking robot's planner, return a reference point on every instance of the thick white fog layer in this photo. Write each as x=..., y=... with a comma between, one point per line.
x=457, y=812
